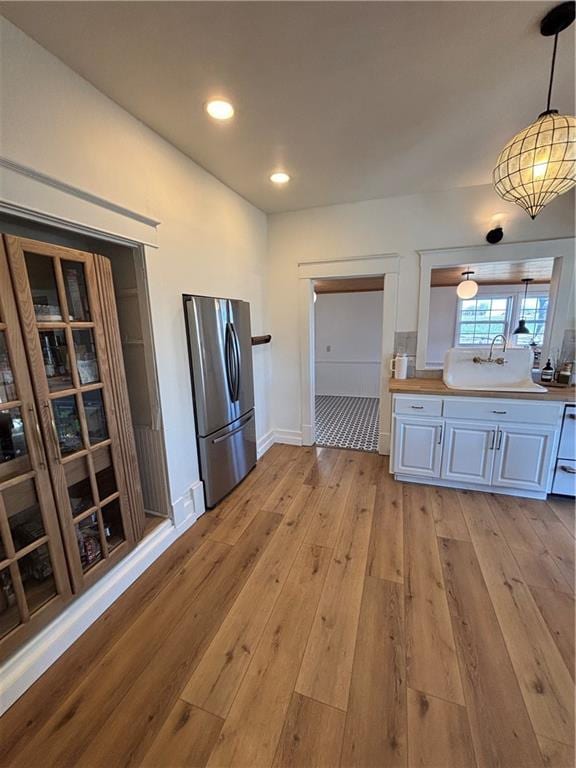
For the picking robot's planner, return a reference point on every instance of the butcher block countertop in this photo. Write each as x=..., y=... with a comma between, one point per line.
x=437, y=387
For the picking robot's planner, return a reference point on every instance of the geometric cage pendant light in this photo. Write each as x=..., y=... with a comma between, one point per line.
x=539, y=163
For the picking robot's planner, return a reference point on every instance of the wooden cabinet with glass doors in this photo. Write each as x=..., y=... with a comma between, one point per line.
x=70, y=505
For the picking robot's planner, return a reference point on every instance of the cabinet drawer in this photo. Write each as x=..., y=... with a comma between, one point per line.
x=502, y=411
x=418, y=406
x=565, y=477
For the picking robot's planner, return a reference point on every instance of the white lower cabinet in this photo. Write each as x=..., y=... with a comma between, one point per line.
x=468, y=453
x=418, y=446
x=472, y=444
x=523, y=457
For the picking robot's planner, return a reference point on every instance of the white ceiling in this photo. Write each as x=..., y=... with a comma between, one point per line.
x=356, y=100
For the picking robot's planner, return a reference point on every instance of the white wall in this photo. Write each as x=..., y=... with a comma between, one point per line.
x=211, y=241
x=403, y=225
x=442, y=323
x=348, y=343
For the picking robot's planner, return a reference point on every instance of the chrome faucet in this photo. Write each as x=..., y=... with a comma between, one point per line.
x=490, y=359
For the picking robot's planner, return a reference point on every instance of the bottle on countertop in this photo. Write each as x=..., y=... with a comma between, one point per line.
x=565, y=374
x=547, y=374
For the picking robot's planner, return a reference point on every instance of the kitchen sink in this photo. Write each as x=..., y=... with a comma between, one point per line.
x=513, y=375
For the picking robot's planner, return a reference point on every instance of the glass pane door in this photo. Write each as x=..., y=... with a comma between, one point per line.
x=58, y=299
x=33, y=575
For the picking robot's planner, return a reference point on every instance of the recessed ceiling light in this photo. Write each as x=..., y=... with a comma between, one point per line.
x=220, y=109
x=280, y=178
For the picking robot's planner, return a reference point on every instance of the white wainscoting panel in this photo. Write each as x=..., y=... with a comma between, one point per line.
x=348, y=377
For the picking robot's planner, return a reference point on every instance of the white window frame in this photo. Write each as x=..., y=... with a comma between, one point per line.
x=519, y=314
x=514, y=295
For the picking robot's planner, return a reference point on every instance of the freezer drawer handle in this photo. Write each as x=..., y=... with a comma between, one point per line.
x=570, y=470
x=229, y=434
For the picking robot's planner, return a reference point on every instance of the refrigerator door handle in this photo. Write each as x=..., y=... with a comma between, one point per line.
x=236, y=344
x=228, y=353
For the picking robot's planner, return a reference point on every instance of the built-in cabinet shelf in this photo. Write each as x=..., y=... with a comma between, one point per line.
x=70, y=499
x=503, y=446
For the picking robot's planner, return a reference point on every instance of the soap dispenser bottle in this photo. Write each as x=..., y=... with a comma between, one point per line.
x=547, y=372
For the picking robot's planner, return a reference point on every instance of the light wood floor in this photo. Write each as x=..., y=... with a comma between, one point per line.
x=325, y=615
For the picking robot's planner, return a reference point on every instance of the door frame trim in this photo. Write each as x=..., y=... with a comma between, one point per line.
x=388, y=267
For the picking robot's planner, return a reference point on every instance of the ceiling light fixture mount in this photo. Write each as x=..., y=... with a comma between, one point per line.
x=539, y=163
x=467, y=289
x=280, y=177
x=220, y=109
x=495, y=235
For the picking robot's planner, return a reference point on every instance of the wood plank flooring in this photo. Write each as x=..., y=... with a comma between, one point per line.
x=325, y=615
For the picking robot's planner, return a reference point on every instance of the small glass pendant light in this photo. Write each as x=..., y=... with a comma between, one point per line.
x=522, y=323
x=467, y=289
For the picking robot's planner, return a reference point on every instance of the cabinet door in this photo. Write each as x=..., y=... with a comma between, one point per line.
x=418, y=446
x=523, y=457
x=469, y=452
x=34, y=581
x=57, y=299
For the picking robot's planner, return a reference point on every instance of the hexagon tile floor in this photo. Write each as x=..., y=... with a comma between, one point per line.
x=347, y=422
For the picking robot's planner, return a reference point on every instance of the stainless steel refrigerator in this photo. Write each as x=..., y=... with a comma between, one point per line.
x=220, y=349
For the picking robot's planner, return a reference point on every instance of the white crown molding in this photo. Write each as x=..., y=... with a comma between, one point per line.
x=70, y=189
x=27, y=192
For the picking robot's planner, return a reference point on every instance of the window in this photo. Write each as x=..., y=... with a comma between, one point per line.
x=485, y=316
x=534, y=310
x=482, y=318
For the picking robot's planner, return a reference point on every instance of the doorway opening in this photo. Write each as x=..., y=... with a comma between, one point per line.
x=348, y=314
x=134, y=319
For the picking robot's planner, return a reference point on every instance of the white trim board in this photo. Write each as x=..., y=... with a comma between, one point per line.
x=288, y=437
x=561, y=249
x=388, y=267
x=22, y=669
x=28, y=192
x=264, y=443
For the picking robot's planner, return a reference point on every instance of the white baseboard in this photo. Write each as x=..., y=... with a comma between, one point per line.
x=521, y=492
x=25, y=667
x=288, y=436
x=264, y=443
x=384, y=441
x=189, y=506
x=308, y=434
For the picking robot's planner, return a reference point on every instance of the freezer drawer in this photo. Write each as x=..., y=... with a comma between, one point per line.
x=226, y=457
x=565, y=477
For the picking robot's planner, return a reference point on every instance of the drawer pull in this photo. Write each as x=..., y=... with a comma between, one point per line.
x=417, y=407
x=570, y=470
x=501, y=412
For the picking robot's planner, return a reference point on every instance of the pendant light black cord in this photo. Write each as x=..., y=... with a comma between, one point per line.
x=552, y=72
